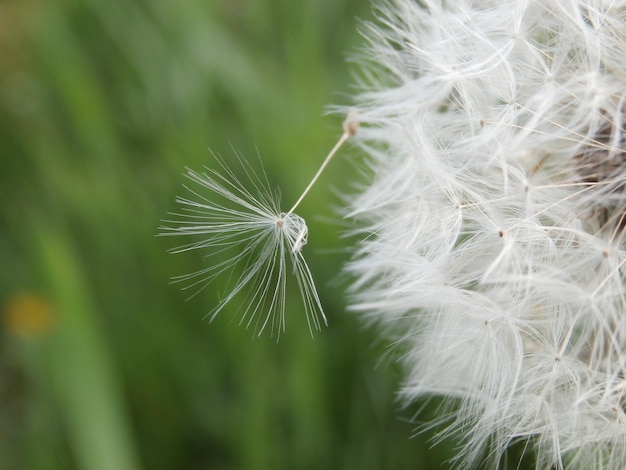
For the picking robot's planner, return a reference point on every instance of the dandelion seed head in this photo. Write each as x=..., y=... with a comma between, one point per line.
x=494, y=249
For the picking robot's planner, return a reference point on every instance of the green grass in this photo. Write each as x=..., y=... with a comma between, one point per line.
x=102, y=105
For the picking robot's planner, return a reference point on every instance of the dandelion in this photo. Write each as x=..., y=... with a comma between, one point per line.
x=495, y=218
x=249, y=241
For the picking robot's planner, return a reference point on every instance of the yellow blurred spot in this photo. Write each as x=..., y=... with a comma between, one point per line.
x=27, y=315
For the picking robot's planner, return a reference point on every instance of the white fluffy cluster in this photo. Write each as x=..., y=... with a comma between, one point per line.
x=495, y=217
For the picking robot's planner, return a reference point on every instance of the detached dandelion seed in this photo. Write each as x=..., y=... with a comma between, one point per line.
x=249, y=241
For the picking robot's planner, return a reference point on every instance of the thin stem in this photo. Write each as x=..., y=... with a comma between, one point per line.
x=346, y=135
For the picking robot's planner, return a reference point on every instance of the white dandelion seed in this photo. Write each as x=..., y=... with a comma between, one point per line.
x=249, y=241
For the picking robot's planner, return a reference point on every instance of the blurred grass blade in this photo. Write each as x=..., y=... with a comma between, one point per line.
x=84, y=380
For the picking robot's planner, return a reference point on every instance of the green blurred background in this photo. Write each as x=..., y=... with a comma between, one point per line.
x=103, y=362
